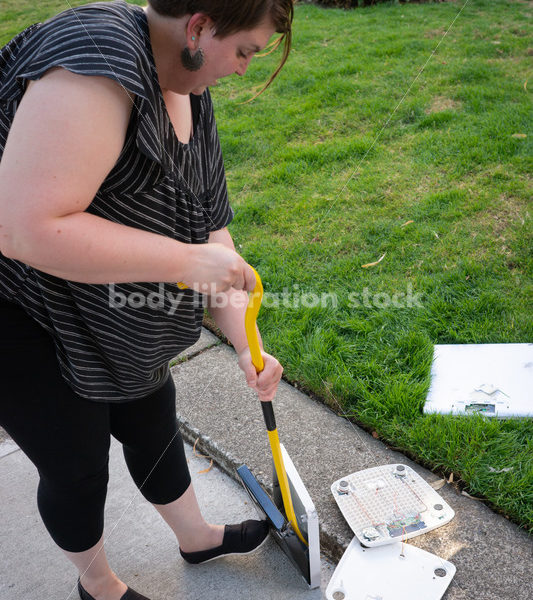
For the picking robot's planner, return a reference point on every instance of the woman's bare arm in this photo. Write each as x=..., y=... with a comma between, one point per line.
x=228, y=309
x=65, y=138
x=228, y=313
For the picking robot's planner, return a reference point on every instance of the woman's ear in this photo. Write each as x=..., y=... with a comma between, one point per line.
x=197, y=25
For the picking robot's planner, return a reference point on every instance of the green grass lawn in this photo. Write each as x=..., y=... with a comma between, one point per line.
x=321, y=188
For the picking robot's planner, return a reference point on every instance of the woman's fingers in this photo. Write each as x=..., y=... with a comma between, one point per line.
x=266, y=382
x=243, y=276
x=269, y=378
x=217, y=268
x=268, y=395
x=249, y=278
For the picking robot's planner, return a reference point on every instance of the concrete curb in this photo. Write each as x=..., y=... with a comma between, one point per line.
x=330, y=545
x=221, y=414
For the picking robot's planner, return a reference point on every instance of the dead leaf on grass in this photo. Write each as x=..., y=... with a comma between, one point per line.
x=373, y=264
x=519, y=136
x=406, y=223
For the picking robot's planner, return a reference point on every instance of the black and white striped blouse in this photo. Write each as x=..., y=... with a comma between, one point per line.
x=114, y=342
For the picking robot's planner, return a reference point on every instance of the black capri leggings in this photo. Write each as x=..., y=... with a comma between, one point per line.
x=67, y=437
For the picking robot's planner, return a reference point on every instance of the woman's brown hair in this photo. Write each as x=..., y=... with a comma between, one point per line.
x=238, y=15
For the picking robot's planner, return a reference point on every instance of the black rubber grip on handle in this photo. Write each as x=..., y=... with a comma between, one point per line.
x=268, y=414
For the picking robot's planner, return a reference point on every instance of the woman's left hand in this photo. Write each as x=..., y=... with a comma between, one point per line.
x=266, y=382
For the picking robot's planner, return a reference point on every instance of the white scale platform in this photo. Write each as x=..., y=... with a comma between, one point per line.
x=389, y=504
x=494, y=380
x=394, y=572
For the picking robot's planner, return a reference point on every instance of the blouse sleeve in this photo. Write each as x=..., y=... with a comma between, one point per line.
x=85, y=42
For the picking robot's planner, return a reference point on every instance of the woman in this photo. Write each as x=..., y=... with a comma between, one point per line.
x=112, y=189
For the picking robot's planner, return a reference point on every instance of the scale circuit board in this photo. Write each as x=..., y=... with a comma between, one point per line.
x=389, y=504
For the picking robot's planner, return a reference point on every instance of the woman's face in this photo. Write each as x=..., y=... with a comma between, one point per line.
x=228, y=55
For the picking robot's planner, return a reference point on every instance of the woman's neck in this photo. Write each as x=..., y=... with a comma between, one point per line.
x=168, y=38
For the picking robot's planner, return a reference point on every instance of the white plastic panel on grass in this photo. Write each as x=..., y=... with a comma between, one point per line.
x=394, y=572
x=495, y=380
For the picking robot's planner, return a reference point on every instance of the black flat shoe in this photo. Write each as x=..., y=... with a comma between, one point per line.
x=242, y=538
x=128, y=595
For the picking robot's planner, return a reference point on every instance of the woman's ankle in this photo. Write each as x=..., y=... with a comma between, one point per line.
x=107, y=587
x=210, y=537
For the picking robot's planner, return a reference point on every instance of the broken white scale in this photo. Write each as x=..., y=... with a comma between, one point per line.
x=394, y=572
x=389, y=504
x=495, y=380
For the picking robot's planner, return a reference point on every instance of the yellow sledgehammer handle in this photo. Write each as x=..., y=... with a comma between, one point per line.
x=250, y=318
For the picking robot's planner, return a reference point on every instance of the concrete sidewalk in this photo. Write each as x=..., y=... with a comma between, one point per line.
x=493, y=557
x=140, y=547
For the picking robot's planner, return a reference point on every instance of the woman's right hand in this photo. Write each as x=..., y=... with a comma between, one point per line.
x=216, y=268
